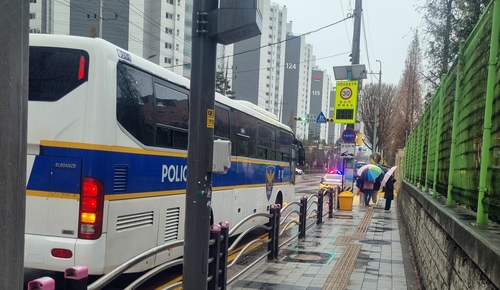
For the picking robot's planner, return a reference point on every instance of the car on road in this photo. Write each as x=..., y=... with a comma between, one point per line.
x=331, y=179
x=298, y=171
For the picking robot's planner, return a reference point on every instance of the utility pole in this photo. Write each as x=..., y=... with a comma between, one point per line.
x=355, y=41
x=200, y=149
x=225, y=77
x=357, y=33
x=375, y=123
x=13, y=125
x=101, y=3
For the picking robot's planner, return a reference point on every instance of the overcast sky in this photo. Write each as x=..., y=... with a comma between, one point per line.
x=389, y=25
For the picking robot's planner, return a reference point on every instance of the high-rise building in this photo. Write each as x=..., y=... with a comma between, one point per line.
x=159, y=31
x=321, y=85
x=258, y=62
x=299, y=62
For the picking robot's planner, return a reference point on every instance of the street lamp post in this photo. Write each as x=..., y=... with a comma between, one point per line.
x=374, y=146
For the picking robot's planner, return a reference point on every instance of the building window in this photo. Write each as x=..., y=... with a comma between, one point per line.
x=178, y=2
x=32, y=1
x=189, y=8
x=169, y=15
x=169, y=30
x=32, y=15
x=170, y=2
x=168, y=60
x=176, y=61
x=178, y=17
x=168, y=45
x=178, y=32
x=176, y=46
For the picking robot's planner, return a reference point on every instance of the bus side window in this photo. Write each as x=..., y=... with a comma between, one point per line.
x=134, y=110
x=221, y=129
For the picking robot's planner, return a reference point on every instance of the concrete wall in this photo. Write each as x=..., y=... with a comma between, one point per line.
x=450, y=252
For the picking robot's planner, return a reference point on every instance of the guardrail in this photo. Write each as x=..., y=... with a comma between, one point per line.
x=76, y=278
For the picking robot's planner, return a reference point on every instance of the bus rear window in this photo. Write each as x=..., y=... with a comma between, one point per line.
x=55, y=72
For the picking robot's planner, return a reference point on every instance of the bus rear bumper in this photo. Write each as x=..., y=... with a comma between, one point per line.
x=89, y=253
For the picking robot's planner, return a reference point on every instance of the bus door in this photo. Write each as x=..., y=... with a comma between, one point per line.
x=53, y=192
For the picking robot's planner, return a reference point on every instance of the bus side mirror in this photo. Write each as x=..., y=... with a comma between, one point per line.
x=302, y=156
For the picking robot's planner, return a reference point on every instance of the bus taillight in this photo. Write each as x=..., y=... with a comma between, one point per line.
x=81, y=69
x=91, y=209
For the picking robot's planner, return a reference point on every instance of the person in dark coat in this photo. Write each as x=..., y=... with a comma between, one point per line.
x=389, y=193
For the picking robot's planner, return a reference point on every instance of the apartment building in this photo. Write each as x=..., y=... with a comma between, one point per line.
x=160, y=31
x=299, y=61
x=321, y=85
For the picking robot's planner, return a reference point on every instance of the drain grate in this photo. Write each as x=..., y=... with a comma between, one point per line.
x=343, y=216
x=375, y=242
x=307, y=257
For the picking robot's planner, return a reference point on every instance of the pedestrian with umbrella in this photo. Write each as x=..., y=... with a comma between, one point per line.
x=388, y=185
x=368, y=174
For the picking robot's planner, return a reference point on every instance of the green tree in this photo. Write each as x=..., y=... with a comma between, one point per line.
x=448, y=22
x=222, y=85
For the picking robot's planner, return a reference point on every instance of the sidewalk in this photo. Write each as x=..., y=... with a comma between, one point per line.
x=358, y=249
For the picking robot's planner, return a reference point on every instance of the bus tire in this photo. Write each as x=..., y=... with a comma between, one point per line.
x=279, y=199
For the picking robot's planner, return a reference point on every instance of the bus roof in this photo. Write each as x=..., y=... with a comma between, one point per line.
x=111, y=51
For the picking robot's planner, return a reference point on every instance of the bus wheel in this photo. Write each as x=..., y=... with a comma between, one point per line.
x=279, y=199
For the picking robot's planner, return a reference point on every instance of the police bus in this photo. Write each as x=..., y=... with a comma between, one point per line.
x=107, y=157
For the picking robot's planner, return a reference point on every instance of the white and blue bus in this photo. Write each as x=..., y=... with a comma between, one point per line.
x=107, y=157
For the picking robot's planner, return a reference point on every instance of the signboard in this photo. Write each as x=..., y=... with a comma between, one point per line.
x=321, y=118
x=346, y=97
x=347, y=150
x=349, y=135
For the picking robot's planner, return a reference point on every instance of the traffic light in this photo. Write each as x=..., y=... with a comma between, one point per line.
x=330, y=120
x=359, y=139
x=299, y=118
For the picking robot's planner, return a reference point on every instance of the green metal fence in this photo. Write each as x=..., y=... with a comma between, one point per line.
x=455, y=147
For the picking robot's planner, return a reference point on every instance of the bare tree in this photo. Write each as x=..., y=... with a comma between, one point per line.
x=385, y=98
x=409, y=97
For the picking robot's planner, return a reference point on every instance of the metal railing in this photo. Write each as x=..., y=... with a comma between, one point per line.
x=76, y=278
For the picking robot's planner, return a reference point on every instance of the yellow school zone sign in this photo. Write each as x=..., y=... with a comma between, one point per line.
x=346, y=99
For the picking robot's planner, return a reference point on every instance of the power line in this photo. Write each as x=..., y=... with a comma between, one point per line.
x=330, y=56
x=345, y=23
x=285, y=40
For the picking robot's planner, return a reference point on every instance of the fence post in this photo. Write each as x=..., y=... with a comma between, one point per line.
x=272, y=232
x=223, y=255
x=330, y=203
x=303, y=217
x=320, y=207
x=44, y=283
x=214, y=252
x=76, y=278
x=277, y=231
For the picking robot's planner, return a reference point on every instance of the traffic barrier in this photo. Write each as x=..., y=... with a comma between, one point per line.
x=320, y=207
x=44, y=283
x=214, y=257
x=303, y=217
x=276, y=240
x=273, y=224
x=76, y=278
x=223, y=255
